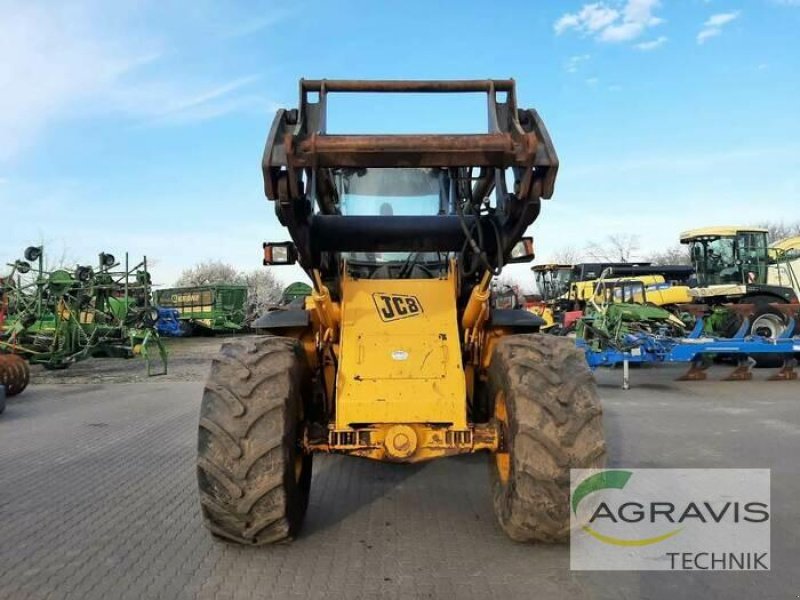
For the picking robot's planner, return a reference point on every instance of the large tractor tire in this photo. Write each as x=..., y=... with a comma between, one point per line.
x=545, y=397
x=253, y=478
x=767, y=321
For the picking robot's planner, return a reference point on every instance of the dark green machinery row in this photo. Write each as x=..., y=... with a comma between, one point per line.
x=58, y=316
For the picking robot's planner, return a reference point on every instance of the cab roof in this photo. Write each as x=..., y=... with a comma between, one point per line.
x=550, y=267
x=791, y=243
x=718, y=231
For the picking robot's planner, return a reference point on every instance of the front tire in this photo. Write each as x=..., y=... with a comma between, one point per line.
x=253, y=479
x=546, y=396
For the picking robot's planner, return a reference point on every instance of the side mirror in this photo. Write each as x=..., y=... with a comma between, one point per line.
x=282, y=253
x=522, y=251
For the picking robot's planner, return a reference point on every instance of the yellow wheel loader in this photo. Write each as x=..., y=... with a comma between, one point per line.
x=398, y=354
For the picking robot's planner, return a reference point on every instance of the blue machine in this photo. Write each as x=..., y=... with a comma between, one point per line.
x=168, y=323
x=696, y=349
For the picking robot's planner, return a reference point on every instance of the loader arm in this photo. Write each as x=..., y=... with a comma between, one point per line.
x=300, y=155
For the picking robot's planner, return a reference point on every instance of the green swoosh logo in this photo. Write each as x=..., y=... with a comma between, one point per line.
x=599, y=481
x=611, y=480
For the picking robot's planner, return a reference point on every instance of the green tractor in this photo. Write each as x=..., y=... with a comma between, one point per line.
x=619, y=311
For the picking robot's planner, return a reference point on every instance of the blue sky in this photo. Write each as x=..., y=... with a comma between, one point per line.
x=140, y=126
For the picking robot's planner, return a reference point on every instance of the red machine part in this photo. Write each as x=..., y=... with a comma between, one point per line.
x=571, y=317
x=14, y=373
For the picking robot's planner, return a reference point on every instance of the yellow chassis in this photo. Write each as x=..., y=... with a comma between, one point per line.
x=408, y=410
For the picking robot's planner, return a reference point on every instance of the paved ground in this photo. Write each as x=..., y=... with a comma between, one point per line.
x=97, y=500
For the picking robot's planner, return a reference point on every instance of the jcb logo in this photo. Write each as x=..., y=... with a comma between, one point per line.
x=394, y=306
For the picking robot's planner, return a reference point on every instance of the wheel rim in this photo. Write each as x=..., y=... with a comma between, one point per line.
x=768, y=325
x=502, y=458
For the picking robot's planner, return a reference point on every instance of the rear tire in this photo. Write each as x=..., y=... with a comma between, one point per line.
x=253, y=479
x=768, y=322
x=554, y=424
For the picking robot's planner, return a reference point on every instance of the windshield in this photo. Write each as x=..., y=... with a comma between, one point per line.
x=564, y=276
x=714, y=261
x=391, y=192
x=729, y=260
x=553, y=282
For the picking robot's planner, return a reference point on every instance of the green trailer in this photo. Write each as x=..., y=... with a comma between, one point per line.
x=215, y=308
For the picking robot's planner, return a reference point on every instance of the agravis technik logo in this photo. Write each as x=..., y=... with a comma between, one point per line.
x=670, y=519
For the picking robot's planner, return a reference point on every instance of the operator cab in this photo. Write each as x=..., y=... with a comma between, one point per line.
x=388, y=192
x=728, y=255
x=553, y=280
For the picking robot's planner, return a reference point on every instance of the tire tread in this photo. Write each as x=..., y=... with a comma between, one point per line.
x=555, y=424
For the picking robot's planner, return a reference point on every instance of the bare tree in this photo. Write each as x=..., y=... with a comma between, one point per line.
x=674, y=255
x=62, y=260
x=263, y=289
x=779, y=230
x=209, y=272
x=566, y=255
x=618, y=247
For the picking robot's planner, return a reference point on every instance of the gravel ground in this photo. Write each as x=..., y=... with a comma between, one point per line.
x=188, y=361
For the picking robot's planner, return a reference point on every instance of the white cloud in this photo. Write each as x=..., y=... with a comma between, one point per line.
x=714, y=24
x=50, y=61
x=608, y=24
x=160, y=102
x=706, y=34
x=592, y=81
x=652, y=44
x=721, y=19
x=591, y=18
x=574, y=62
x=81, y=59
